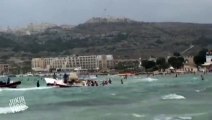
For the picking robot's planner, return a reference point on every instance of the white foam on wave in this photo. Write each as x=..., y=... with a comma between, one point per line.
x=113, y=94
x=179, y=117
x=137, y=115
x=163, y=117
x=196, y=114
x=197, y=90
x=185, y=118
x=168, y=117
x=7, y=110
x=26, y=89
x=149, y=79
x=173, y=97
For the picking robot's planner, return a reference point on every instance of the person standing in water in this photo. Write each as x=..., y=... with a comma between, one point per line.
x=65, y=78
x=122, y=81
x=176, y=75
x=38, y=83
x=92, y=83
x=106, y=82
x=109, y=81
x=8, y=80
x=96, y=83
x=103, y=83
x=202, y=77
x=54, y=76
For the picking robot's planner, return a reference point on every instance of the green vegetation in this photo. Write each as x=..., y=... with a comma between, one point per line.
x=132, y=39
x=161, y=63
x=149, y=65
x=200, y=58
x=176, y=61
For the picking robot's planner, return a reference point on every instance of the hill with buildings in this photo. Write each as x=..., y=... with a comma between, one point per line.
x=122, y=37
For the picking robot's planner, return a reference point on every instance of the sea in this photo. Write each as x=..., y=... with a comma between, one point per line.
x=185, y=97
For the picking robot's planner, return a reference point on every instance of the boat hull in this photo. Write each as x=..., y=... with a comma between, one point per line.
x=11, y=85
x=60, y=83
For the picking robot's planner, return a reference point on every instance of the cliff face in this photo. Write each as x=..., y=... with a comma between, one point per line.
x=121, y=37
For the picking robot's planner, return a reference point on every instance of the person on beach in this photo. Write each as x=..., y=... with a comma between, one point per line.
x=122, y=81
x=38, y=83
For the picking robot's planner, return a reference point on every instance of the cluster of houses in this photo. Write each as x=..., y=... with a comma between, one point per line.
x=102, y=63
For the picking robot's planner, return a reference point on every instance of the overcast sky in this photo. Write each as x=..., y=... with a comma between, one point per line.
x=15, y=13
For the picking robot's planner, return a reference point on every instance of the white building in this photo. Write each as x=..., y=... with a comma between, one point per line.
x=208, y=64
x=92, y=62
x=105, y=62
x=209, y=57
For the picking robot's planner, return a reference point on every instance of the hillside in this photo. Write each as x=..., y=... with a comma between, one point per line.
x=123, y=38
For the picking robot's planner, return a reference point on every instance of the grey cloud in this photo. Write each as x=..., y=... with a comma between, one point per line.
x=22, y=12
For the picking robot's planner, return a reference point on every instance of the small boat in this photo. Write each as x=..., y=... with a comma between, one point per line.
x=10, y=85
x=61, y=84
x=72, y=81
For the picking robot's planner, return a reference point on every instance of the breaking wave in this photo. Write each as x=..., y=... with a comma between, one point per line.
x=137, y=115
x=197, y=90
x=164, y=117
x=7, y=110
x=185, y=118
x=173, y=97
x=148, y=79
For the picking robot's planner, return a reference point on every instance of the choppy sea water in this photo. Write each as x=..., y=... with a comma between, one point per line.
x=186, y=97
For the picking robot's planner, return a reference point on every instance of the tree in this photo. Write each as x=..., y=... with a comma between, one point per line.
x=148, y=64
x=176, y=62
x=200, y=58
x=181, y=59
x=161, y=63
